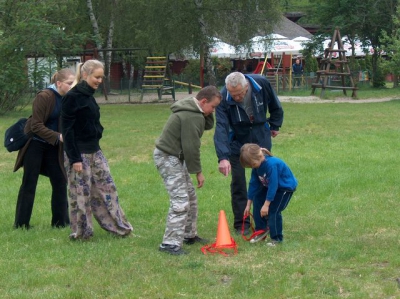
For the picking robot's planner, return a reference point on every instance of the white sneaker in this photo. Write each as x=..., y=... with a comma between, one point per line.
x=259, y=237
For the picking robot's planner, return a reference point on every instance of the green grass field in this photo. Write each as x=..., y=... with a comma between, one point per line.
x=341, y=227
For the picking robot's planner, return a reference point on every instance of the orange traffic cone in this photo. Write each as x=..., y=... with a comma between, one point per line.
x=223, y=234
x=224, y=239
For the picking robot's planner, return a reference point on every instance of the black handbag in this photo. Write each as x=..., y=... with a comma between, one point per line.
x=15, y=138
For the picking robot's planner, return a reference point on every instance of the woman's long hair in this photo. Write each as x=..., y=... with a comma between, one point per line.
x=61, y=75
x=88, y=67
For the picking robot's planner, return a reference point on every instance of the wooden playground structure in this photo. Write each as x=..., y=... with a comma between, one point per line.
x=157, y=78
x=277, y=69
x=334, y=67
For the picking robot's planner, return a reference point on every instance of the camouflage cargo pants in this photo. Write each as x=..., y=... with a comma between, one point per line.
x=93, y=192
x=182, y=213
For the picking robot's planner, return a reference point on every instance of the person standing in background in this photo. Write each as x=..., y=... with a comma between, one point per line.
x=297, y=69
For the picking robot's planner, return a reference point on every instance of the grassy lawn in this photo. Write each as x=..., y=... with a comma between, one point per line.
x=341, y=227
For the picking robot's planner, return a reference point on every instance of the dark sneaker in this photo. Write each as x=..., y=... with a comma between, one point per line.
x=172, y=249
x=259, y=237
x=196, y=239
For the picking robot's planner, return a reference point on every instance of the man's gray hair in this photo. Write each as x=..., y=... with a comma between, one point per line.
x=236, y=78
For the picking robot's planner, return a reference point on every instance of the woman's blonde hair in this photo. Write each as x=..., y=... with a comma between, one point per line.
x=88, y=68
x=61, y=75
x=250, y=153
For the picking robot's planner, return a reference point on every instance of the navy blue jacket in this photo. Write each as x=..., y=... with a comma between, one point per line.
x=297, y=69
x=273, y=175
x=233, y=126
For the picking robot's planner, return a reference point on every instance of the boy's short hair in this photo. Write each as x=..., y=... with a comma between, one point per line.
x=208, y=92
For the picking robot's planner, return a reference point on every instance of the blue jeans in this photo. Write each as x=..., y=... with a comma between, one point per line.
x=275, y=221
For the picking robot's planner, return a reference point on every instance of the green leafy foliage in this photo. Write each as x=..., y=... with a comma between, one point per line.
x=33, y=29
x=221, y=68
x=391, y=46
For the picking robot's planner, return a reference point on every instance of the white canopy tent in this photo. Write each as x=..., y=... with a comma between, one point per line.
x=359, y=50
x=259, y=46
x=301, y=39
x=223, y=50
x=262, y=45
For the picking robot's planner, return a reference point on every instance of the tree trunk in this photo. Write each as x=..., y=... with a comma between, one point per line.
x=96, y=31
x=131, y=74
x=395, y=80
x=211, y=80
x=210, y=75
x=108, y=59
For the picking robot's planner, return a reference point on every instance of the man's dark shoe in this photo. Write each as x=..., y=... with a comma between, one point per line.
x=246, y=231
x=196, y=239
x=172, y=249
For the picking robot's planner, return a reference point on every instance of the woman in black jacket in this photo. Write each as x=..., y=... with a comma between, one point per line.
x=91, y=187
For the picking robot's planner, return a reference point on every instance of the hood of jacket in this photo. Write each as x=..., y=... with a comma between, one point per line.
x=85, y=88
x=187, y=104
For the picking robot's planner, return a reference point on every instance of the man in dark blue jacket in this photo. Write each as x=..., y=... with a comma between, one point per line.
x=242, y=118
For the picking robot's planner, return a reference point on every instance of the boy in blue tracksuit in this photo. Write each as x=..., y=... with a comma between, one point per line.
x=271, y=187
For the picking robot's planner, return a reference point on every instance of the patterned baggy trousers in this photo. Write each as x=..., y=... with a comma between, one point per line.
x=182, y=213
x=93, y=191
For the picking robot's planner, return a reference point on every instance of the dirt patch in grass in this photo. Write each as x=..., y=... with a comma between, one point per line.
x=152, y=98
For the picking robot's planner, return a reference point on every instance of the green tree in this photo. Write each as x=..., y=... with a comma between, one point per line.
x=190, y=25
x=30, y=29
x=391, y=42
x=359, y=19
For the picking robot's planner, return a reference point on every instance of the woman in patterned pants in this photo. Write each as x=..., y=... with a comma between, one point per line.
x=91, y=187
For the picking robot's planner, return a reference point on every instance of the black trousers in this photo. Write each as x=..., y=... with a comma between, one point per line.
x=239, y=189
x=238, y=192
x=42, y=158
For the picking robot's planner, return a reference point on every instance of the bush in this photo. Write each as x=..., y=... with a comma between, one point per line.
x=13, y=83
x=379, y=77
x=191, y=72
x=222, y=67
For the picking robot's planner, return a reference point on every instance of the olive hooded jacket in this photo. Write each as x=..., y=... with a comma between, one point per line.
x=182, y=133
